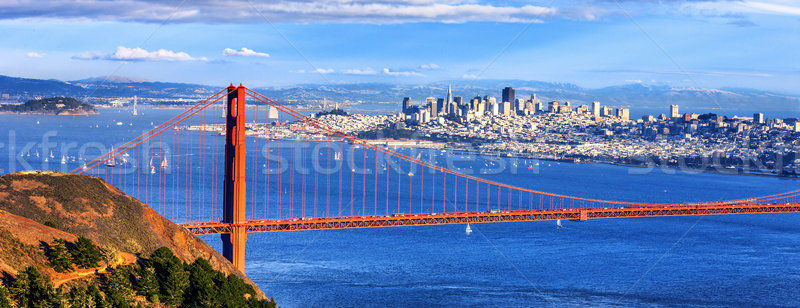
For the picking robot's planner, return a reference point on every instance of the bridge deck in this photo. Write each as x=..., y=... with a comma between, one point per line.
x=298, y=224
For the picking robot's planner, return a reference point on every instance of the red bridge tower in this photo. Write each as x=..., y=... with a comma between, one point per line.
x=234, y=189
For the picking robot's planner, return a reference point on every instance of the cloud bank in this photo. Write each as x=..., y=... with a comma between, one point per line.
x=246, y=11
x=138, y=54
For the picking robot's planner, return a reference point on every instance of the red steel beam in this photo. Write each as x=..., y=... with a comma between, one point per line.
x=372, y=221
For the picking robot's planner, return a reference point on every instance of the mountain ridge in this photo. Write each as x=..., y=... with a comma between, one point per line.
x=631, y=95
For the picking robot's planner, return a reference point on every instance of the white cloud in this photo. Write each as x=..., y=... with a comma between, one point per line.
x=469, y=76
x=34, y=54
x=138, y=54
x=429, y=66
x=401, y=73
x=324, y=70
x=366, y=71
x=244, y=52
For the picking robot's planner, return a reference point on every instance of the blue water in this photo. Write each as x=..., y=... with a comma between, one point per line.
x=716, y=261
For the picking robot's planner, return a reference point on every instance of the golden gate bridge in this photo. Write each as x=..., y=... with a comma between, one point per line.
x=176, y=169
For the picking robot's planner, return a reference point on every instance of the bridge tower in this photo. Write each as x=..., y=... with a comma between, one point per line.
x=234, y=189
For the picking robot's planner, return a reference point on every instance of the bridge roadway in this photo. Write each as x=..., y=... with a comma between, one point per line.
x=420, y=219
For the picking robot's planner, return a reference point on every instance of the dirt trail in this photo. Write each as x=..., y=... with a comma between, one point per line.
x=122, y=259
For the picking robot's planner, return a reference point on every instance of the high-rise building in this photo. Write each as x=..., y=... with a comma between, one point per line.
x=623, y=113
x=458, y=100
x=605, y=111
x=505, y=108
x=406, y=104
x=673, y=111
x=441, y=106
x=552, y=107
x=449, y=95
x=433, y=109
x=596, y=109
x=508, y=95
x=538, y=106
x=758, y=118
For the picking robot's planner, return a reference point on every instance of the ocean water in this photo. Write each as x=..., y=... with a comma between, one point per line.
x=702, y=261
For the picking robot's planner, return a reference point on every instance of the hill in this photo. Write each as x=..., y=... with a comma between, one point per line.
x=52, y=106
x=38, y=207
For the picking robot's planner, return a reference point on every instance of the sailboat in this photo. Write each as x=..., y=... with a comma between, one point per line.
x=337, y=156
x=164, y=164
x=558, y=223
x=63, y=160
x=152, y=168
x=469, y=230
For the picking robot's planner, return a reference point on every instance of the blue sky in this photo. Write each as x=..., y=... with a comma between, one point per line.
x=709, y=44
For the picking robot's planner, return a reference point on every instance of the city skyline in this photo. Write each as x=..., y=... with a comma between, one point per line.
x=591, y=44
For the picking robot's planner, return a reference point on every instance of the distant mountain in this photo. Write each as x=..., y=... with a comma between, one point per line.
x=28, y=88
x=111, y=79
x=641, y=98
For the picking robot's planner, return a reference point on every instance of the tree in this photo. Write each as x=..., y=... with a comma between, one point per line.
x=32, y=289
x=146, y=284
x=172, y=277
x=233, y=290
x=5, y=301
x=118, y=286
x=59, y=257
x=109, y=254
x=202, y=291
x=79, y=297
x=97, y=297
x=85, y=254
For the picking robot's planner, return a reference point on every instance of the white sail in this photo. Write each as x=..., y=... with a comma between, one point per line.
x=558, y=223
x=164, y=164
x=469, y=230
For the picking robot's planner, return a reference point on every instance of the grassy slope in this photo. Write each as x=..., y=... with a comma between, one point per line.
x=88, y=206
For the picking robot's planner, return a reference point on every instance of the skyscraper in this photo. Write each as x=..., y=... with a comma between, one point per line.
x=449, y=96
x=673, y=111
x=758, y=118
x=623, y=113
x=508, y=95
x=596, y=109
x=406, y=104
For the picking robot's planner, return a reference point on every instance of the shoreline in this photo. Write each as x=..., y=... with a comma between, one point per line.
x=51, y=113
x=709, y=169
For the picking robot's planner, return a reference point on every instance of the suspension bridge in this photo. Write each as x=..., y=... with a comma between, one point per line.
x=212, y=172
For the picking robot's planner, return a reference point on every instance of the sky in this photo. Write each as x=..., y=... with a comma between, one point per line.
x=281, y=43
